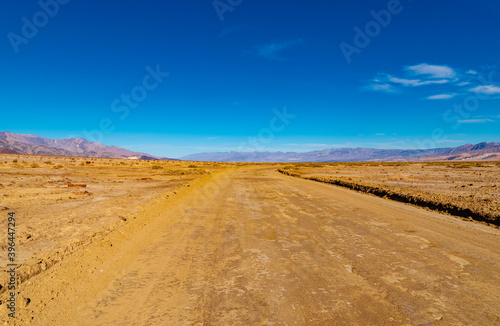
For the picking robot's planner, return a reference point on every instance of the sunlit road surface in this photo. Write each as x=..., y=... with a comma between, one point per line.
x=254, y=247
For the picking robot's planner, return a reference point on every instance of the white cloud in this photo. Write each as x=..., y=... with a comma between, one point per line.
x=271, y=51
x=475, y=121
x=432, y=71
x=451, y=141
x=441, y=96
x=487, y=89
x=416, y=82
x=447, y=82
x=382, y=87
x=318, y=145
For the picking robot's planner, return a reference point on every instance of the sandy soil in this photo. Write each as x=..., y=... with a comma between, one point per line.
x=251, y=246
x=62, y=203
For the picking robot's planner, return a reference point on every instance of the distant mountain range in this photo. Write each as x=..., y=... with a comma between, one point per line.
x=11, y=143
x=480, y=152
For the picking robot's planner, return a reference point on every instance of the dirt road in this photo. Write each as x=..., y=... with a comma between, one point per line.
x=253, y=247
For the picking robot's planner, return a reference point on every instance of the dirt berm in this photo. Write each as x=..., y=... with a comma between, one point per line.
x=484, y=211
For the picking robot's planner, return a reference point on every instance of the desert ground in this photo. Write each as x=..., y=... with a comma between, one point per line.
x=466, y=189
x=127, y=242
x=62, y=201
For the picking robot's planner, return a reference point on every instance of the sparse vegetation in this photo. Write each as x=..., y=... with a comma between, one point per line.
x=182, y=172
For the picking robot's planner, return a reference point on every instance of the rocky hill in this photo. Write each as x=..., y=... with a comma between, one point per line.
x=481, y=151
x=31, y=144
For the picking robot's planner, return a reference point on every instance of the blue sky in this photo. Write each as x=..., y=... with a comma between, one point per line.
x=173, y=78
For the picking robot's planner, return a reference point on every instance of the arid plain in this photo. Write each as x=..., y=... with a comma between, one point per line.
x=132, y=242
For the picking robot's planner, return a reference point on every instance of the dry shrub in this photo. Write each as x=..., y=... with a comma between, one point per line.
x=399, y=177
